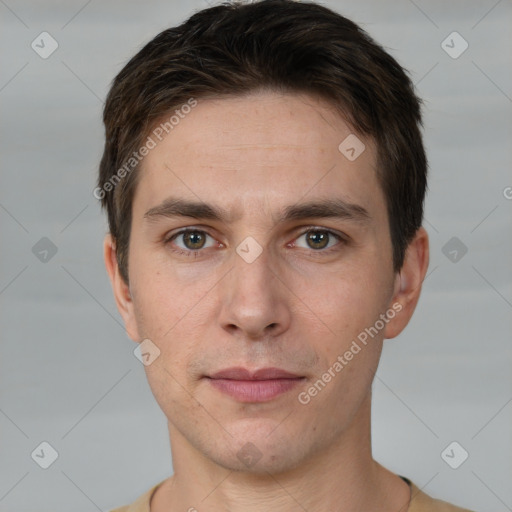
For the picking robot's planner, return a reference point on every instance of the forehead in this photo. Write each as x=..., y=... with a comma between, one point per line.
x=270, y=121
x=260, y=150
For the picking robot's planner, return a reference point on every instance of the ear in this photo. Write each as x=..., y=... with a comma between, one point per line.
x=121, y=290
x=408, y=283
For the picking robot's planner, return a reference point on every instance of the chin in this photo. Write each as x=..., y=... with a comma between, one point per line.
x=263, y=463
x=258, y=447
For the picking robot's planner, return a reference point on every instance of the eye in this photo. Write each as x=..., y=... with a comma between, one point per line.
x=193, y=240
x=320, y=239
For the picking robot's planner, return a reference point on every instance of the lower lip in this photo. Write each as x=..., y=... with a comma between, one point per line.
x=254, y=390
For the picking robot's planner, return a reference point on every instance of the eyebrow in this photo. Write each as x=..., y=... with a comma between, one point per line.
x=324, y=208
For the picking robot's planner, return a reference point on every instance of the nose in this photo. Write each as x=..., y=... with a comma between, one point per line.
x=255, y=301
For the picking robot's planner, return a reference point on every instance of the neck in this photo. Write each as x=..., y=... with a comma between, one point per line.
x=342, y=477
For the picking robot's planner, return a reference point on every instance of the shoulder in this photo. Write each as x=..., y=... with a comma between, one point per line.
x=422, y=502
x=141, y=504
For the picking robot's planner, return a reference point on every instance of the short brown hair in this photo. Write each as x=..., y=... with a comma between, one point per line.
x=281, y=45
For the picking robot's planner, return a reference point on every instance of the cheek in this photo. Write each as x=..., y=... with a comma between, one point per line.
x=153, y=309
x=164, y=296
x=343, y=303
x=174, y=314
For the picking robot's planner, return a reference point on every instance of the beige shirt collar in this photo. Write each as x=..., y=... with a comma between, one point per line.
x=420, y=502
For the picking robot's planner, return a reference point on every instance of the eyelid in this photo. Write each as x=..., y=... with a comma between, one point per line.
x=307, y=229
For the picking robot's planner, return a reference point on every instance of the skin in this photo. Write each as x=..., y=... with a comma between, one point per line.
x=295, y=307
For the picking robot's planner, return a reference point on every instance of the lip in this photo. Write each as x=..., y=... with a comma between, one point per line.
x=256, y=386
x=240, y=373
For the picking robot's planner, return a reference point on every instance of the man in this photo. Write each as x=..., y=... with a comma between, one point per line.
x=264, y=177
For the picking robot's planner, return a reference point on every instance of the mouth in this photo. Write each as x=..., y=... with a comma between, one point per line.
x=254, y=386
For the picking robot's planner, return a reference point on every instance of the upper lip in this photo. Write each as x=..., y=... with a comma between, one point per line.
x=239, y=373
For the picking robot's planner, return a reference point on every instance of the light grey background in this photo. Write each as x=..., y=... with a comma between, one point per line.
x=68, y=375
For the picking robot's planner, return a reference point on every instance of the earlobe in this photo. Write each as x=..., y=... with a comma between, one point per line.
x=408, y=282
x=122, y=294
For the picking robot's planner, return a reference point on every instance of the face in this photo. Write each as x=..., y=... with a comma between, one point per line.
x=287, y=269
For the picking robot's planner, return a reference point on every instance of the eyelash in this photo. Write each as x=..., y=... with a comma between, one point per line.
x=343, y=240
